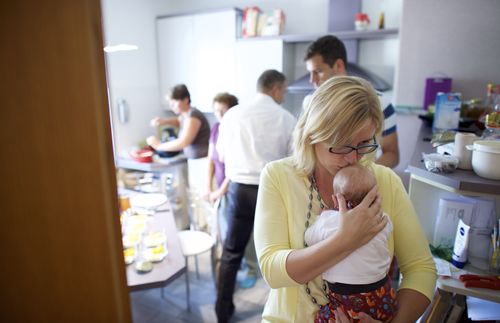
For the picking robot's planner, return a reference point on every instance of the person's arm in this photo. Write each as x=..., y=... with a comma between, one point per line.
x=188, y=133
x=412, y=305
x=211, y=172
x=411, y=249
x=220, y=191
x=158, y=121
x=389, y=140
x=390, y=150
x=221, y=139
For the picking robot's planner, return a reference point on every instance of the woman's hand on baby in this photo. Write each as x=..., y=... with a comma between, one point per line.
x=361, y=224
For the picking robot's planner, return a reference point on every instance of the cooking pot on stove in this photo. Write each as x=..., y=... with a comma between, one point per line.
x=486, y=158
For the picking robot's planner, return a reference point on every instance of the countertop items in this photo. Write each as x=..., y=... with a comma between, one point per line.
x=162, y=233
x=463, y=180
x=158, y=164
x=426, y=189
x=438, y=163
x=486, y=158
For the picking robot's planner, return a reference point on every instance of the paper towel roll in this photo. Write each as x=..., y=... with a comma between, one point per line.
x=464, y=156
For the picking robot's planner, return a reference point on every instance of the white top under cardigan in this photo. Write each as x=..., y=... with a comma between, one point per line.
x=366, y=265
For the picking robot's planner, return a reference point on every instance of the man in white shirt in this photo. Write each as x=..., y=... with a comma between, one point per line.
x=250, y=136
x=325, y=58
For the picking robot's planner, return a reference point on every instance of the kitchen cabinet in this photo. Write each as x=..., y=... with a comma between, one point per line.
x=427, y=188
x=198, y=50
x=254, y=56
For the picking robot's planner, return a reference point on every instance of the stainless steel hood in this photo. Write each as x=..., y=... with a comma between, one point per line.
x=302, y=84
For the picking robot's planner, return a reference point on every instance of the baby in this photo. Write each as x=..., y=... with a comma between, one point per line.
x=358, y=283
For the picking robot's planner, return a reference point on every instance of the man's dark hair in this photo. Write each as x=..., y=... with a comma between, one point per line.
x=329, y=47
x=226, y=98
x=180, y=92
x=269, y=79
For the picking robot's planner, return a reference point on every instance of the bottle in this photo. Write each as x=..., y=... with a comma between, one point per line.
x=491, y=96
x=381, y=21
x=492, y=125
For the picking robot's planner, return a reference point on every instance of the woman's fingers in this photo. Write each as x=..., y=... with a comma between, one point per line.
x=371, y=197
x=342, y=203
x=340, y=316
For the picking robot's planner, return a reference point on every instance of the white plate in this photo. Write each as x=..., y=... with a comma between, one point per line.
x=154, y=239
x=148, y=201
x=155, y=254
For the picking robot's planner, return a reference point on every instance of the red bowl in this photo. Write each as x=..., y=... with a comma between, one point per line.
x=142, y=155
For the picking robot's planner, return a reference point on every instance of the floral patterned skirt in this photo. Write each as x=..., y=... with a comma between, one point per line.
x=379, y=303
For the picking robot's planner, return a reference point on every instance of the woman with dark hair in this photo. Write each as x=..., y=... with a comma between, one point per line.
x=194, y=127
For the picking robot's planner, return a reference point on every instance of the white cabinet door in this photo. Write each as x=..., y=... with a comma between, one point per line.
x=252, y=58
x=175, y=53
x=214, y=36
x=198, y=50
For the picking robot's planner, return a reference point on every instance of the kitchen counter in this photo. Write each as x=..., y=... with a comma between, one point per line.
x=172, y=174
x=159, y=165
x=427, y=188
x=459, y=180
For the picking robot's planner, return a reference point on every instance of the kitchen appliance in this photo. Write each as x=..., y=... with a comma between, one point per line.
x=303, y=85
x=486, y=158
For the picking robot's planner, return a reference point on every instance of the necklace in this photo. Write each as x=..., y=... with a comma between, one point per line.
x=313, y=188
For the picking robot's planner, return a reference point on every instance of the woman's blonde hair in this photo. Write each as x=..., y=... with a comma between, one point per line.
x=339, y=108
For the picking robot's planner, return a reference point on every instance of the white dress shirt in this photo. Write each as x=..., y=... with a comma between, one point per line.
x=366, y=265
x=251, y=135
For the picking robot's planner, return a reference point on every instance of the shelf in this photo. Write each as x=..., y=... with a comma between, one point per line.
x=343, y=35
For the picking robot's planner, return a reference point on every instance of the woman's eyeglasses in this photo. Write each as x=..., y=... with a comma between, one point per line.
x=360, y=150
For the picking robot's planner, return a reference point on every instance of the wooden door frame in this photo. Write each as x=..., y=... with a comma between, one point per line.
x=61, y=250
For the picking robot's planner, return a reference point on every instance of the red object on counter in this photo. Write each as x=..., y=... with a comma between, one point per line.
x=142, y=155
x=488, y=282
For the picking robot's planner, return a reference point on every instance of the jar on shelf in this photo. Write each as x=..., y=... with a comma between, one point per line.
x=361, y=21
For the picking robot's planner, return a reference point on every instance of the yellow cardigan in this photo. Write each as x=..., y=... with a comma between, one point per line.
x=279, y=228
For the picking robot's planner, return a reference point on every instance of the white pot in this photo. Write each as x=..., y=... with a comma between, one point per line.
x=486, y=158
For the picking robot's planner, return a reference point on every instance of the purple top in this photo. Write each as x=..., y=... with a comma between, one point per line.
x=220, y=174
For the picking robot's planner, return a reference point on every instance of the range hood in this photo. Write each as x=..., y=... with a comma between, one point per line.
x=302, y=84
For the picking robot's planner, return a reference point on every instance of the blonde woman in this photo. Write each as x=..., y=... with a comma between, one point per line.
x=336, y=130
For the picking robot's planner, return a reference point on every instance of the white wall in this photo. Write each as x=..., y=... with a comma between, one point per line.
x=132, y=75
x=457, y=38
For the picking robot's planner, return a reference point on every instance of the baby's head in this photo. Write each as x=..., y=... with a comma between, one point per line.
x=353, y=182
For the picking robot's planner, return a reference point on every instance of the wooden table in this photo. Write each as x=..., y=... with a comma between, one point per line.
x=171, y=267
